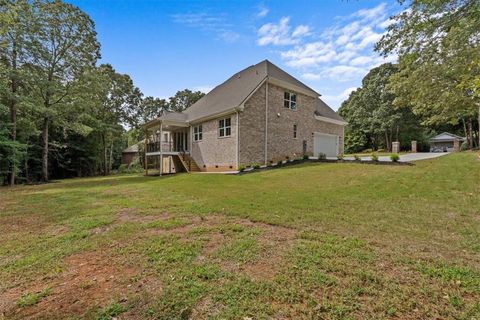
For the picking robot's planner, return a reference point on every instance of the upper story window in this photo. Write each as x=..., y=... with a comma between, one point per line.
x=294, y=131
x=197, y=133
x=290, y=100
x=224, y=127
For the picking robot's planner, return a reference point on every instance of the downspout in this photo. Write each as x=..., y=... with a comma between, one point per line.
x=238, y=141
x=266, y=121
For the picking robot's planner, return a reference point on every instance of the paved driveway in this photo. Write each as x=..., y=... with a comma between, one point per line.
x=408, y=157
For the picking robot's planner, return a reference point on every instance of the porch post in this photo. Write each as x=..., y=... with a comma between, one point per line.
x=161, y=154
x=145, y=149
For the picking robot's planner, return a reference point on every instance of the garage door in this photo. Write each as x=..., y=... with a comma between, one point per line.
x=326, y=144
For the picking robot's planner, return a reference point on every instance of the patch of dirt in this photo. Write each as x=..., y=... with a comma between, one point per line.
x=90, y=279
x=276, y=242
x=131, y=215
x=204, y=309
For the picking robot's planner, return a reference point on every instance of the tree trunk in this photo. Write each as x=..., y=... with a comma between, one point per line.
x=27, y=176
x=386, y=140
x=470, y=134
x=46, y=124
x=465, y=131
x=111, y=156
x=13, y=113
x=105, y=160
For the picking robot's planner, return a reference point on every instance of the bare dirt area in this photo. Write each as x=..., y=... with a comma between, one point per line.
x=89, y=279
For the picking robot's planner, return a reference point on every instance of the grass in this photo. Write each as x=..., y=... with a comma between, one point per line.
x=329, y=241
x=30, y=299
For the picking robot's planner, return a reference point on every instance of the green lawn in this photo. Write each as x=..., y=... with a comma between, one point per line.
x=318, y=240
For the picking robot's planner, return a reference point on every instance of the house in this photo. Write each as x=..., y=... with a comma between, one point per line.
x=446, y=142
x=130, y=153
x=260, y=115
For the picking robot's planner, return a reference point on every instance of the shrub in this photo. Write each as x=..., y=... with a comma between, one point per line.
x=374, y=157
x=305, y=157
x=255, y=165
x=356, y=157
x=241, y=168
x=134, y=167
x=322, y=156
x=464, y=146
x=279, y=162
x=340, y=157
x=394, y=157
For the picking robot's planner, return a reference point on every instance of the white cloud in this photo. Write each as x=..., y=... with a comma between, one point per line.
x=218, y=24
x=301, y=31
x=341, y=54
x=229, y=36
x=310, y=54
x=373, y=13
x=311, y=76
x=344, y=73
x=279, y=34
x=262, y=12
x=336, y=100
x=361, y=60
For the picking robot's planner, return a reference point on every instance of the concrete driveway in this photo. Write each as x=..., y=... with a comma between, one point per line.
x=408, y=157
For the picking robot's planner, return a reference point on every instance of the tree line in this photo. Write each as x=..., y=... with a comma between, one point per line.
x=434, y=87
x=62, y=114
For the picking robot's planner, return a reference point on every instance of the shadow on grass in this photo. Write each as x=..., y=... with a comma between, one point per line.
x=115, y=180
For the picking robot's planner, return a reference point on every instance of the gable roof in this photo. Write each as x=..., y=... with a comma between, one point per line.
x=134, y=148
x=446, y=136
x=238, y=88
x=233, y=92
x=323, y=110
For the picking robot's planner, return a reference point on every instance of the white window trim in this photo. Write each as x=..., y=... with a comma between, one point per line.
x=198, y=136
x=290, y=101
x=224, y=128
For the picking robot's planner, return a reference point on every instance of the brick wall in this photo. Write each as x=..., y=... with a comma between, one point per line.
x=281, y=142
x=216, y=153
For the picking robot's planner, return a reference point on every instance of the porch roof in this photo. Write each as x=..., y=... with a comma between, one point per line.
x=169, y=121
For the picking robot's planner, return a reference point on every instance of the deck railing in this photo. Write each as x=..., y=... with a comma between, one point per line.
x=155, y=146
x=166, y=147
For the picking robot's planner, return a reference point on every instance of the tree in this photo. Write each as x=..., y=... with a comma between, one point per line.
x=64, y=46
x=15, y=20
x=373, y=121
x=150, y=108
x=184, y=99
x=112, y=101
x=438, y=46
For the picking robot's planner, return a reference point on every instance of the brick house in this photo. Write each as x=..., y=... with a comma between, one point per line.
x=259, y=115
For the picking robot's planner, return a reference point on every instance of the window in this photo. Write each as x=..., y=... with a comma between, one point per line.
x=197, y=133
x=294, y=131
x=290, y=100
x=224, y=127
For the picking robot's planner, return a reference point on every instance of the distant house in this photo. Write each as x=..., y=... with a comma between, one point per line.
x=260, y=115
x=130, y=153
x=444, y=142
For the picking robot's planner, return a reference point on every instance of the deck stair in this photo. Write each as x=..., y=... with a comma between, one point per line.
x=188, y=163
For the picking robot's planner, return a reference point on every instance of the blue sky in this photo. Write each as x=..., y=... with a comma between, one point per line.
x=167, y=46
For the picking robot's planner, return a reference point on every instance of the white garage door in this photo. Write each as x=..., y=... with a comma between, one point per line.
x=326, y=144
